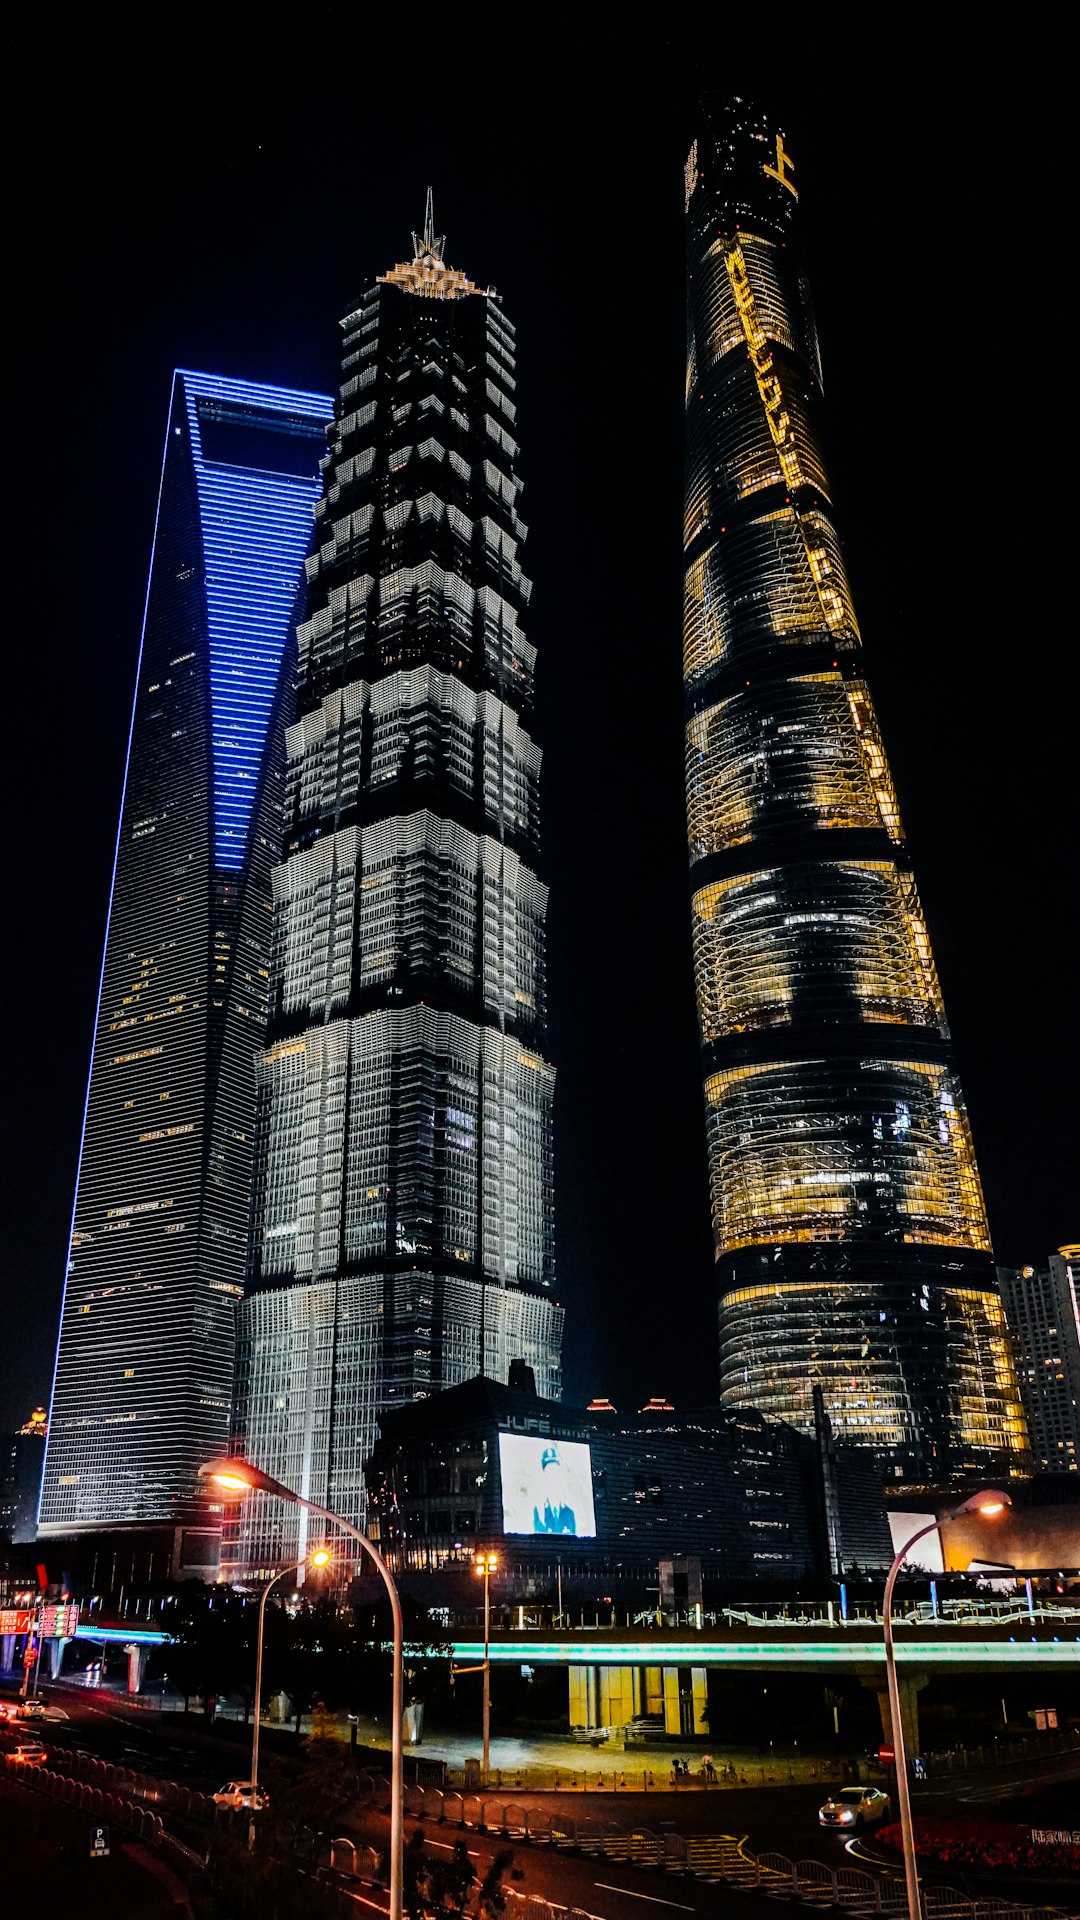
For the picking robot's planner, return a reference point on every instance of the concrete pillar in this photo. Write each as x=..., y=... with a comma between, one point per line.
x=700, y=1691
x=136, y=1659
x=7, y=1651
x=910, y=1686
x=56, y=1657
x=619, y=1692
x=584, y=1705
x=686, y=1701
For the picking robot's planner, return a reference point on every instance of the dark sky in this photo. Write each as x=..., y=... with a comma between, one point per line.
x=215, y=197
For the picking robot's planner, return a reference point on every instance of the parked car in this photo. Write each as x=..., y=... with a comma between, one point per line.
x=241, y=1793
x=854, y=1807
x=31, y=1752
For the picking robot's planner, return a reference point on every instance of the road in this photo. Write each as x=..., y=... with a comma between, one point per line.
x=47, y=1867
x=779, y=1818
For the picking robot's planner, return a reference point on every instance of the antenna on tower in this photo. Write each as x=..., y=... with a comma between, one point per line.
x=431, y=242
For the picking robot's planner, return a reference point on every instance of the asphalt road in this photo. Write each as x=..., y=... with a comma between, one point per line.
x=46, y=1867
x=776, y=1818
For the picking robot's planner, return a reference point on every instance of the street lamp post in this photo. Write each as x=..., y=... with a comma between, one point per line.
x=989, y=1503
x=239, y=1476
x=487, y=1564
x=320, y=1558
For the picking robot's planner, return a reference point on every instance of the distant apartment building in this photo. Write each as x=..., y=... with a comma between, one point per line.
x=21, y=1461
x=1041, y=1307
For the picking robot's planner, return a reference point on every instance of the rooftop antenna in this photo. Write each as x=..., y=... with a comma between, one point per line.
x=431, y=242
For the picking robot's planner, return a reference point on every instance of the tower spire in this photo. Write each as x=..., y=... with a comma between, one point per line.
x=430, y=243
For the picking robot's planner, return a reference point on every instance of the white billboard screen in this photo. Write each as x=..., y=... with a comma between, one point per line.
x=546, y=1486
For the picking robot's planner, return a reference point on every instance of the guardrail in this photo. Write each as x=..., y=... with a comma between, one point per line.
x=153, y=1795
x=101, y=1803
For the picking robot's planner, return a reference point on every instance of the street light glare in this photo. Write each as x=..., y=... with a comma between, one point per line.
x=989, y=1500
x=320, y=1557
x=232, y=1480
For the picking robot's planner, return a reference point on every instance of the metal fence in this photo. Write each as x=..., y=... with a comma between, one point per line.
x=103, y=1803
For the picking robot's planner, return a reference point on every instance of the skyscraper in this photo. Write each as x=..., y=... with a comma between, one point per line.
x=402, y=1234
x=1042, y=1307
x=145, y=1361
x=850, y=1234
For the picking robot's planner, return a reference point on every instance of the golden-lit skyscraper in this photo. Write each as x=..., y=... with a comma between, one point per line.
x=850, y=1233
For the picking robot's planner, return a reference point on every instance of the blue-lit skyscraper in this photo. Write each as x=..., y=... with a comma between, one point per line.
x=145, y=1359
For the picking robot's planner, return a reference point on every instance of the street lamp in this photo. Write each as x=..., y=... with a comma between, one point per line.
x=989, y=1503
x=240, y=1477
x=320, y=1558
x=487, y=1564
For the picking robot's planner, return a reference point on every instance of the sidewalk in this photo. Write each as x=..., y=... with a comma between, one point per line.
x=521, y=1759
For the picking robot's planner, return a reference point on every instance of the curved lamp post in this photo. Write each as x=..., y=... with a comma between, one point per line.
x=320, y=1558
x=988, y=1502
x=240, y=1477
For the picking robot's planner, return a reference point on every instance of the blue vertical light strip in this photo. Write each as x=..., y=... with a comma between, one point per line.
x=256, y=529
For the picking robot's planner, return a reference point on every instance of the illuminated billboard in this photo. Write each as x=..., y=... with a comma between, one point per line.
x=546, y=1486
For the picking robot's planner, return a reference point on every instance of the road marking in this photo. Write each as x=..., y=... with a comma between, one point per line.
x=653, y=1898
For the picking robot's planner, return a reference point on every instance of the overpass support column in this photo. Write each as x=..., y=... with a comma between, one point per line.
x=910, y=1686
x=136, y=1659
x=56, y=1657
x=685, y=1700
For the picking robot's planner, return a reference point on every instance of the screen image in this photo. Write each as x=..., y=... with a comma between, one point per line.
x=546, y=1486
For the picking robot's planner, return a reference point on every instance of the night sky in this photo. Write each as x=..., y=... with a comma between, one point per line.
x=215, y=199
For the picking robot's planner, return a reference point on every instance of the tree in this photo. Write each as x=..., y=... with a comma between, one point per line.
x=451, y=1881
x=492, y=1892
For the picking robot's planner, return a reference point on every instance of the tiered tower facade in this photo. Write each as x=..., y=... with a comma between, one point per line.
x=144, y=1368
x=849, y=1228
x=403, y=1234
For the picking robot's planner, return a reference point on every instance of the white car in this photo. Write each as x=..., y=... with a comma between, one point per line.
x=30, y=1752
x=241, y=1794
x=854, y=1807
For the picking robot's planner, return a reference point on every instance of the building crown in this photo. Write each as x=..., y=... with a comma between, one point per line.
x=427, y=272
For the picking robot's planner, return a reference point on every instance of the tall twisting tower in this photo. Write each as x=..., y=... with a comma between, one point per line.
x=850, y=1234
x=402, y=1233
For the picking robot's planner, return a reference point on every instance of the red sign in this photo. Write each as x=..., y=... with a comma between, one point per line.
x=886, y=1754
x=14, y=1619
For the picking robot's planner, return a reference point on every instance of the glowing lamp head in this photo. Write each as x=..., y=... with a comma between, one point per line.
x=320, y=1557
x=991, y=1501
x=487, y=1562
x=239, y=1476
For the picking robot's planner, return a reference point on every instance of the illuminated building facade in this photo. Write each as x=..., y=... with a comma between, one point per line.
x=145, y=1361
x=402, y=1236
x=849, y=1228
x=1042, y=1307
x=20, y=1479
